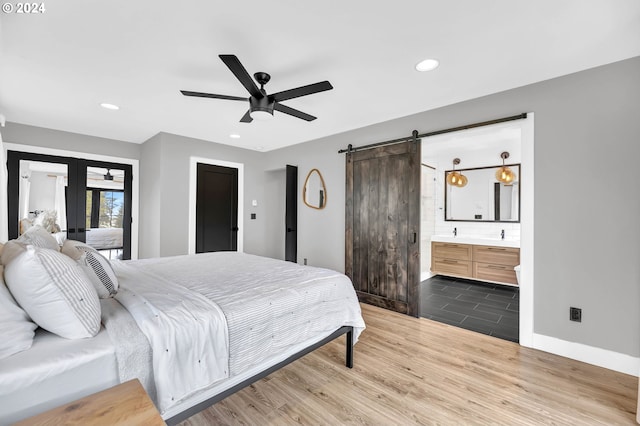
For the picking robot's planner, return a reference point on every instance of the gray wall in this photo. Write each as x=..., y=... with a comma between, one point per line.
x=164, y=167
x=57, y=139
x=151, y=181
x=587, y=236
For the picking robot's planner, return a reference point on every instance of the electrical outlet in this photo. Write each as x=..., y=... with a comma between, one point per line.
x=575, y=314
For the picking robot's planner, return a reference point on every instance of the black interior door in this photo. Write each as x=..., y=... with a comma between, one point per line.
x=216, y=208
x=291, y=216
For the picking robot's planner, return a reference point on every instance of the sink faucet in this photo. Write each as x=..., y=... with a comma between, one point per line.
x=455, y=231
x=502, y=234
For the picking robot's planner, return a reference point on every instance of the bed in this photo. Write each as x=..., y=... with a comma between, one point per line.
x=264, y=313
x=104, y=238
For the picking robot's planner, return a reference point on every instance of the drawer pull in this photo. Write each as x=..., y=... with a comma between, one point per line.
x=502, y=268
x=496, y=248
x=453, y=262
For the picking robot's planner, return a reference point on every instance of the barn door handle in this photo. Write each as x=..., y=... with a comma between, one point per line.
x=415, y=237
x=291, y=230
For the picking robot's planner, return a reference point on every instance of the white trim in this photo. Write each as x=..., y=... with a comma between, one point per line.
x=615, y=361
x=193, y=176
x=527, y=240
x=135, y=184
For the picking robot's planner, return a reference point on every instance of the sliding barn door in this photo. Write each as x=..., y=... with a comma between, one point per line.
x=383, y=225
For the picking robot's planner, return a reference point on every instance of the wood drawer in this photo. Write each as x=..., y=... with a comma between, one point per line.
x=451, y=251
x=451, y=267
x=493, y=272
x=508, y=256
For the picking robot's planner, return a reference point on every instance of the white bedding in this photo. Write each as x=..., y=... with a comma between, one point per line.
x=265, y=310
x=104, y=238
x=269, y=304
x=53, y=372
x=187, y=332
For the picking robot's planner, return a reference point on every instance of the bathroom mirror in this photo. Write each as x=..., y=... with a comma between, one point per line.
x=483, y=198
x=314, y=192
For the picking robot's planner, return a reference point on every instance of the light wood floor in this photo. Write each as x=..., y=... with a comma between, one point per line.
x=416, y=371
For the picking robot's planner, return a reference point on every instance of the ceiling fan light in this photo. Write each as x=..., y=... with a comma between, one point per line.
x=261, y=115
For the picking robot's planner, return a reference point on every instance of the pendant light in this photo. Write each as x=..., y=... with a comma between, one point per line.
x=455, y=178
x=504, y=174
x=108, y=176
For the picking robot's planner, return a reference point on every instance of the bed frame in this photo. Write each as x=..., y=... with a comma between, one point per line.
x=348, y=330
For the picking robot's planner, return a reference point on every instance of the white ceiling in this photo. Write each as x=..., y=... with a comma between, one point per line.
x=57, y=67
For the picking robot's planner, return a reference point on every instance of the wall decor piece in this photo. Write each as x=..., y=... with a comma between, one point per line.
x=314, y=192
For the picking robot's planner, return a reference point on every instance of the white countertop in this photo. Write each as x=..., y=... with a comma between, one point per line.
x=483, y=241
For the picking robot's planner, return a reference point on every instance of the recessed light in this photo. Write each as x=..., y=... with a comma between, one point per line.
x=427, y=65
x=109, y=106
x=234, y=136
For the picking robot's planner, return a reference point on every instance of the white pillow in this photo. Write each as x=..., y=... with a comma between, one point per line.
x=95, y=265
x=39, y=237
x=15, y=328
x=55, y=292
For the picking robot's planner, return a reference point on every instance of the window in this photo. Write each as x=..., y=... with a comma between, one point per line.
x=105, y=208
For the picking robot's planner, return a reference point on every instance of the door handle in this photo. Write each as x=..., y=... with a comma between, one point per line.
x=71, y=230
x=235, y=229
x=291, y=230
x=81, y=230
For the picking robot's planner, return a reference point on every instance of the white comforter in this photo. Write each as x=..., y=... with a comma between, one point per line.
x=270, y=308
x=270, y=305
x=187, y=333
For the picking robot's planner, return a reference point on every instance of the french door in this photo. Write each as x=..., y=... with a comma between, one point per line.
x=78, y=199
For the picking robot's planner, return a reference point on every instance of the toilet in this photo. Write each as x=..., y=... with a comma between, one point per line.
x=517, y=269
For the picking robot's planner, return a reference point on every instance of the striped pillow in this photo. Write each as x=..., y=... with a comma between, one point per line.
x=54, y=291
x=95, y=265
x=39, y=237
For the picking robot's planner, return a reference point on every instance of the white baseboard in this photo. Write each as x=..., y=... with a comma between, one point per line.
x=591, y=355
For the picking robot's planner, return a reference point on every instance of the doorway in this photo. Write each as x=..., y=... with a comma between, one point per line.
x=216, y=208
x=478, y=147
x=57, y=192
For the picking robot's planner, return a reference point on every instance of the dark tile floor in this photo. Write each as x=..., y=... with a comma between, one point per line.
x=483, y=307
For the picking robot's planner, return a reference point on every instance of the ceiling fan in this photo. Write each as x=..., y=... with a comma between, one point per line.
x=261, y=105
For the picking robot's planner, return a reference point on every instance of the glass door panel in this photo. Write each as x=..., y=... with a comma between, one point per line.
x=42, y=197
x=105, y=209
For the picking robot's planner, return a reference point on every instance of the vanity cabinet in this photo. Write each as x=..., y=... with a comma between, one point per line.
x=481, y=262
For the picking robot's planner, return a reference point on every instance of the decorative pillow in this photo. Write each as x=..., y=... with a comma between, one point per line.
x=95, y=265
x=15, y=328
x=55, y=292
x=39, y=237
x=11, y=250
x=47, y=219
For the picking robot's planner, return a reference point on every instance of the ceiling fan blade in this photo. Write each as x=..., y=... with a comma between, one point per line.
x=294, y=112
x=246, y=118
x=301, y=91
x=211, y=95
x=241, y=74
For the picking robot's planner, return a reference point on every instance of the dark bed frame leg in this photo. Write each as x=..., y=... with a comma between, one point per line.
x=349, y=345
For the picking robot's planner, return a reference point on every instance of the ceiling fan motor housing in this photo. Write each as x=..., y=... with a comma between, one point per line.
x=262, y=104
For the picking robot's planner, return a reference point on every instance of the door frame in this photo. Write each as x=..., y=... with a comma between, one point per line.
x=193, y=179
x=135, y=167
